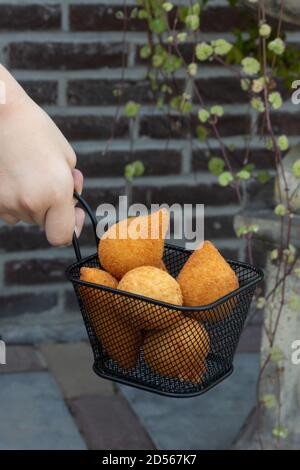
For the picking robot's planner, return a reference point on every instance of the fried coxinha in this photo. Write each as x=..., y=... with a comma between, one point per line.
x=174, y=342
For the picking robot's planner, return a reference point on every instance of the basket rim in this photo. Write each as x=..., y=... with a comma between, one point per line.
x=256, y=280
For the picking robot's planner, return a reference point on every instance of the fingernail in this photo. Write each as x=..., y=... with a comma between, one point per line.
x=77, y=232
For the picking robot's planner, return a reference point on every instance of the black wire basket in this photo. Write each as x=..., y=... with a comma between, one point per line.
x=163, y=348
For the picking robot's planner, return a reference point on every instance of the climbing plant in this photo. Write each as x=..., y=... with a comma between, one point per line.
x=265, y=66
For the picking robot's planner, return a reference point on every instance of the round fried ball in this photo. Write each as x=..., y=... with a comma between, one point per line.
x=98, y=276
x=205, y=278
x=138, y=241
x=178, y=352
x=121, y=340
x=156, y=284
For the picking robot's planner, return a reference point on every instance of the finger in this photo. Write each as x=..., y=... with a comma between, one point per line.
x=78, y=180
x=9, y=219
x=60, y=222
x=79, y=220
x=71, y=157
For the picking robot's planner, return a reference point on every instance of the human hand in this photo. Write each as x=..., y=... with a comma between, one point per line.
x=37, y=168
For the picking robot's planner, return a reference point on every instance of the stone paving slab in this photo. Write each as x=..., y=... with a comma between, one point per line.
x=109, y=423
x=71, y=364
x=210, y=421
x=34, y=415
x=22, y=359
x=250, y=340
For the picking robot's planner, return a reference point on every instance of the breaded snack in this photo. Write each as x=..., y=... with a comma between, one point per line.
x=178, y=352
x=98, y=276
x=138, y=241
x=204, y=279
x=121, y=340
x=156, y=284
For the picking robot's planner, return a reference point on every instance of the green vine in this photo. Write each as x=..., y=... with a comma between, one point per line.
x=264, y=66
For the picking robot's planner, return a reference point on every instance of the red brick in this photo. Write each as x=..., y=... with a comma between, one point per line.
x=156, y=162
x=18, y=304
x=222, y=90
x=165, y=127
x=97, y=196
x=222, y=19
x=29, y=238
x=42, y=92
x=284, y=123
x=29, y=17
x=92, y=17
x=64, y=55
x=209, y=194
x=233, y=18
x=186, y=52
x=35, y=271
x=85, y=127
x=261, y=158
x=101, y=92
x=261, y=196
x=96, y=92
x=22, y=238
x=218, y=227
x=229, y=253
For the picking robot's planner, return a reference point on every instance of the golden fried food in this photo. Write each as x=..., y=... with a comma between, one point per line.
x=178, y=352
x=121, y=340
x=138, y=241
x=98, y=276
x=156, y=284
x=204, y=279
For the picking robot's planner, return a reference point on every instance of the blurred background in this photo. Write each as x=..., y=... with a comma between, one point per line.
x=75, y=59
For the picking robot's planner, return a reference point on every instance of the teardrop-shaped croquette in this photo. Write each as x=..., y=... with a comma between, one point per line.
x=204, y=279
x=156, y=284
x=178, y=352
x=98, y=276
x=121, y=340
x=138, y=241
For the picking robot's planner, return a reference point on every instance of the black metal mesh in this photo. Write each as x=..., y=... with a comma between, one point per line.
x=163, y=348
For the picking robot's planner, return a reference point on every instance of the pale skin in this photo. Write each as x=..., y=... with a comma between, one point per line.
x=37, y=168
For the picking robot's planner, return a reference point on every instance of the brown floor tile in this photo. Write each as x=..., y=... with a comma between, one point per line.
x=109, y=423
x=22, y=359
x=250, y=339
x=71, y=364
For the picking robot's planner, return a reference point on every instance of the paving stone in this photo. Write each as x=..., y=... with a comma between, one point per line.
x=250, y=339
x=71, y=364
x=109, y=423
x=211, y=421
x=22, y=359
x=34, y=415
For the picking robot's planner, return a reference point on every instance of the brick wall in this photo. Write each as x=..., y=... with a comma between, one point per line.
x=68, y=55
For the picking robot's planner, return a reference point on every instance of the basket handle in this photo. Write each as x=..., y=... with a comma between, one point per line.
x=93, y=219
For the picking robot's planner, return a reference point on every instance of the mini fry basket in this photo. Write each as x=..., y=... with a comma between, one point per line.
x=162, y=348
